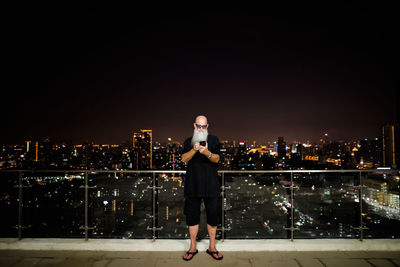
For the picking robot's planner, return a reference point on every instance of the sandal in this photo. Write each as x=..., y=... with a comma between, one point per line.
x=214, y=254
x=190, y=253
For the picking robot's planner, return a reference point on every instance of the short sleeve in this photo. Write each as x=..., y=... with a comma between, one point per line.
x=216, y=148
x=186, y=146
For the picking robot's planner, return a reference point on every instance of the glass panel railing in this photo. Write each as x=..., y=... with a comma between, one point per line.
x=381, y=213
x=171, y=203
x=255, y=205
x=53, y=204
x=120, y=205
x=326, y=205
x=9, y=204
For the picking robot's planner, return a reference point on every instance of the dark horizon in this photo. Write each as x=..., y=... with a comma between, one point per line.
x=100, y=74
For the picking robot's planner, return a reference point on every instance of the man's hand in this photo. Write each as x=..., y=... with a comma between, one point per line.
x=196, y=146
x=204, y=149
x=189, y=155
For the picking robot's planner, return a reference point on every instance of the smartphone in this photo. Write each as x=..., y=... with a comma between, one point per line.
x=203, y=143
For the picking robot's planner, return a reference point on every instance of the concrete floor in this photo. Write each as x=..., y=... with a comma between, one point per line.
x=173, y=258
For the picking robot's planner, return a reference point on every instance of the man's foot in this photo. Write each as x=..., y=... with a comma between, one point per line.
x=215, y=254
x=189, y=255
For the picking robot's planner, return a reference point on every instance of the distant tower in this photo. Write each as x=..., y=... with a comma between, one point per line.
x=37, y=151
x=143, y=147
x=27, y=145
x=388, y=146
x=300, y=151
x=242, y=148
x=241, y=156
x=281, y=148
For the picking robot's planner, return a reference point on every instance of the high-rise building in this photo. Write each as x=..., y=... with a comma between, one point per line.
x=37, y=151
x=28, y=145
x=300, y=151
x=143, y=148
x=46, y=151
x=281, y=148
x=241, y=157
x=370, y=152
x=388, y=146
x=225, y=157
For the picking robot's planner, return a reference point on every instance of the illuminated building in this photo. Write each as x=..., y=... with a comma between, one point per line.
x=37, y=151
x=378, y=194
x=370, y=152
x=300, y=151
x=27, y=145
x=46, y=151
x=281, y=149
x=241, y=157
x=261, y=150
x=393, y=200
x=388, y=146
x=143, y=148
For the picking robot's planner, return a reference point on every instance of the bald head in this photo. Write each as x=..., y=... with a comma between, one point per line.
x=201, y=120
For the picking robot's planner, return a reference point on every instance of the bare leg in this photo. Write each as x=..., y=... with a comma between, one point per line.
x=193, y=230
x=212, y=230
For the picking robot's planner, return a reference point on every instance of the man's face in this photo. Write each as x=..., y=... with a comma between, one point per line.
x=201, y=124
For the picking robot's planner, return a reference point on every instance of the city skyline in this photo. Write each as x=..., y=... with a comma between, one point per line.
x=323, y=138
x=101, y=73
x=250, y=141
x=144, y=154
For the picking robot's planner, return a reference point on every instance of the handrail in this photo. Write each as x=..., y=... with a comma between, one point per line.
x=219, y=171
x=155, y=229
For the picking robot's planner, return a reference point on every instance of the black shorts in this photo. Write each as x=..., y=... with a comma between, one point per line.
x=192, y=210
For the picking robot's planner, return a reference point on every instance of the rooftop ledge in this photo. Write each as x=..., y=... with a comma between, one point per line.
x=183, y=244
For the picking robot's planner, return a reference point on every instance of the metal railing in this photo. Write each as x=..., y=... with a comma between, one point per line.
x=288, y=183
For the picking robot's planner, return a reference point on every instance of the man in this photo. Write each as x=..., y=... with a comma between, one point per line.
x=201, y=153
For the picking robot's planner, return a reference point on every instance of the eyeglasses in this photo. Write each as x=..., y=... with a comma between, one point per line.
x=201, y=126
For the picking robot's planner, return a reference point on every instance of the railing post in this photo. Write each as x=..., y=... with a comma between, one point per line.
x=291, y=228
x=361, y=227
x=154, y=227
x=19, y=205
x=86, y=206
x=222, y=208
x=86, y=186
x=361, y=207
x=291, y=207
x=223, y=194
x=154, y=206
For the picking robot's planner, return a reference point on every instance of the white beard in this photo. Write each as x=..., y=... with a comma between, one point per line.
x=199, y=136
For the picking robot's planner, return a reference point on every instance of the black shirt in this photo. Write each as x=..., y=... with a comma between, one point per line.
x=201, y=174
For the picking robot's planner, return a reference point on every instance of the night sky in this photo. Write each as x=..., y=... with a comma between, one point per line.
x=94, y=73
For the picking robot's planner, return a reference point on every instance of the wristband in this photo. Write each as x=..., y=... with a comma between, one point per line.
x=210, y=155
